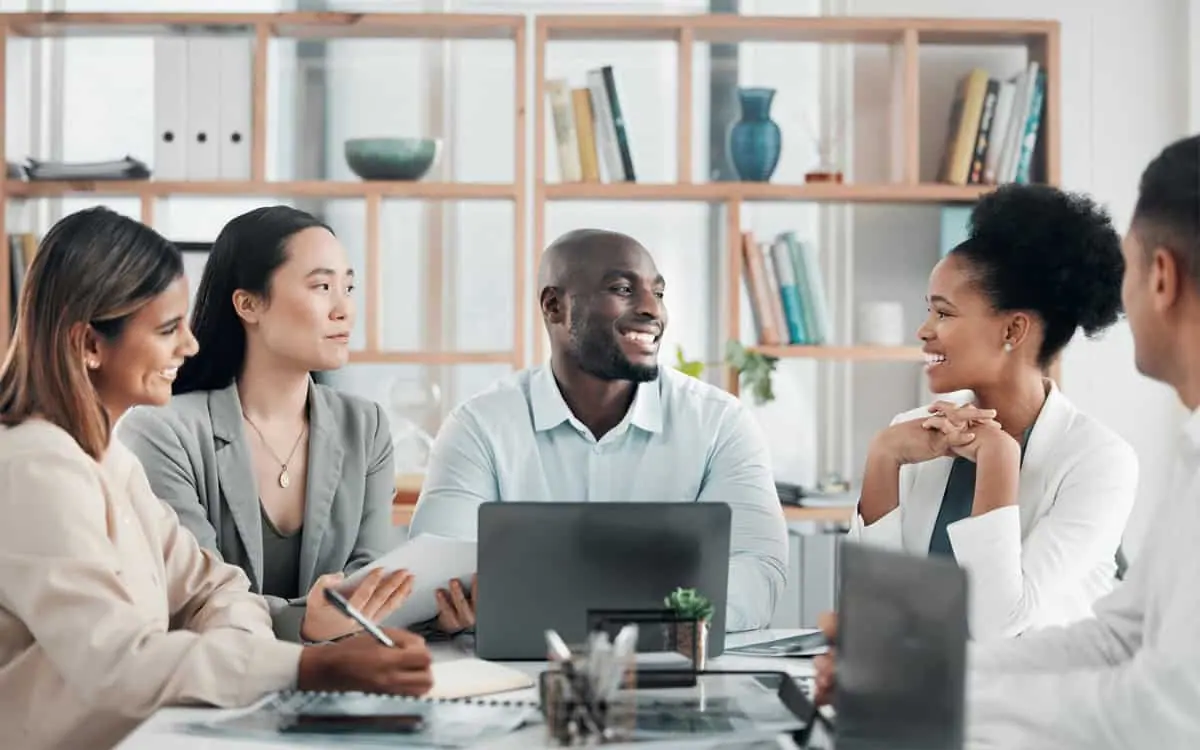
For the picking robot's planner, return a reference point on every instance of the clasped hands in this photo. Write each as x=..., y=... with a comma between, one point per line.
x=950, y=430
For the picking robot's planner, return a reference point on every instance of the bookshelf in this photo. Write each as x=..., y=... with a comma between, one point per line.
x=905, y=38
x=262, y=29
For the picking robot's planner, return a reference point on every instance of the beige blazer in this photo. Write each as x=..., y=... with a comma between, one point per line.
x=109, y=609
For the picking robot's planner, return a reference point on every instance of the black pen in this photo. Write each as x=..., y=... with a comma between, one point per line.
x=345, y=608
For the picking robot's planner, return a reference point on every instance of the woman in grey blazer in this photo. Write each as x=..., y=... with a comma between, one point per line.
x=290, y=480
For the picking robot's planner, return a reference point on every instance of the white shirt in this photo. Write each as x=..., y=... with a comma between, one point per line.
x=1046, y=560
x=682, y=440
x=1127, y=678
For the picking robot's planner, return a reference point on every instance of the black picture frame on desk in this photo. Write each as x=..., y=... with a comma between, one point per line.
x=650, y=636
x=815, y=725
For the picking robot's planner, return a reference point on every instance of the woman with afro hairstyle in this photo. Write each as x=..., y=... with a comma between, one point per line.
x=1003, y=474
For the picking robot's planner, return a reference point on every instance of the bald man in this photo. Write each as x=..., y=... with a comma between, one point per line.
x=603, y=422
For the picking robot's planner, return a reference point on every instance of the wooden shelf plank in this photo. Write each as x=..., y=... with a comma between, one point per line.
x=639, y=191
x=310, y=25
x=713, y=192
x=983, y=31
x=828, y=29
x=431, y=358
x=400, y=25
x=848, y=353
x=833, y=192
x=312, y=188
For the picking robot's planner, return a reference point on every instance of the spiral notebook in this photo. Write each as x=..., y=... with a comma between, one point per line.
x=445, y=722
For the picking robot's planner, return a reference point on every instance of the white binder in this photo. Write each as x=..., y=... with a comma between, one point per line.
x=237, y=72
x=170, y=108
x=203, y=109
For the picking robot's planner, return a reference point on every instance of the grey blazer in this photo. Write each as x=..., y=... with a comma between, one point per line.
x=196, y=455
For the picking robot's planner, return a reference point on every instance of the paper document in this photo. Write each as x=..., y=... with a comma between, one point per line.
x=433, y=560
x=808, y=643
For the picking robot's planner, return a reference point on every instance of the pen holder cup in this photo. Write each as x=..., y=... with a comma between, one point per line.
x=689, y=637
x=585, y=709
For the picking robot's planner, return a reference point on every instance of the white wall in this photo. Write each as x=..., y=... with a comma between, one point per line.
x=1193, y=65
x=1124, y=72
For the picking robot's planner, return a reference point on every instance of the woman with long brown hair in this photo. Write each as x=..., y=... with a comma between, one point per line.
x=109, y=609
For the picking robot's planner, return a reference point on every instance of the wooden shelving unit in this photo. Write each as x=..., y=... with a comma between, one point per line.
x=303, y=25
x=905, y=37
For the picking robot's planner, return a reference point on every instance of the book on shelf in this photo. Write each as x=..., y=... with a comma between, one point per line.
x=21, y=247
x=954, y=228
x=127, y=168
x=590, y=136
x=786, y=290
x=993, y=128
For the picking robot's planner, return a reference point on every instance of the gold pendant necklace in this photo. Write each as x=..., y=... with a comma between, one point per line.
x=284, y=479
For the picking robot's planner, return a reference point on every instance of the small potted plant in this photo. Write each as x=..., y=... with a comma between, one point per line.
x=693, y=613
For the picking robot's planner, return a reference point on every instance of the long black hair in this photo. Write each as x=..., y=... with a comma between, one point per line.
x=244, y=256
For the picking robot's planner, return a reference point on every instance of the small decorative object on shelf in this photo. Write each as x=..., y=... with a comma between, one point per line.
x=587, y=694
x=392, y=158
x=412, y=404
x=826, y=169
x=755, y=140
x=690, y=632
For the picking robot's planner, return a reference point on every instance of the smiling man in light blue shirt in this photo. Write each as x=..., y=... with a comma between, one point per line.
x=604, y=423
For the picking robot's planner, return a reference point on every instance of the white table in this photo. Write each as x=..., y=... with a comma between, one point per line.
x=162, y=730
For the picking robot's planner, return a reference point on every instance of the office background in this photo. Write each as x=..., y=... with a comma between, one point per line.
x=1129, y=79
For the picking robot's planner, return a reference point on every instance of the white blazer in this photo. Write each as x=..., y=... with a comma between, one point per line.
x=1047, y=559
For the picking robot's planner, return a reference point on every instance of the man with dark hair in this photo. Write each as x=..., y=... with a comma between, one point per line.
x=1130, y=675
x=602, y=422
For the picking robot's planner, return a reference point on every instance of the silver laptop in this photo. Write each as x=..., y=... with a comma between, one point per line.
x=548, y=565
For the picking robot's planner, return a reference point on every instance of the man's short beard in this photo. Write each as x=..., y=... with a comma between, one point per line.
x=599, y=355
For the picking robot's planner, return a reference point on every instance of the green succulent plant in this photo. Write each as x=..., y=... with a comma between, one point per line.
x=689, y=604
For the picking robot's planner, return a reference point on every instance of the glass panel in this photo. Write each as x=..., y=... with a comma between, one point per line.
x=327, y=93
x=415, y=398
x=469, y=245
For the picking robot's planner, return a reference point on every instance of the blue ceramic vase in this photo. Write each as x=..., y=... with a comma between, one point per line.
x=755, y=140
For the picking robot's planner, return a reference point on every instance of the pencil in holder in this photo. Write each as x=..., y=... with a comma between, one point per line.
x=589, y=699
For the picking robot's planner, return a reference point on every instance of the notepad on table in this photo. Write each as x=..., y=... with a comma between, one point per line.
x=471, y=677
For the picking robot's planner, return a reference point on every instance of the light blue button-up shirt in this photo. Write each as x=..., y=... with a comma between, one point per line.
x=681, y=440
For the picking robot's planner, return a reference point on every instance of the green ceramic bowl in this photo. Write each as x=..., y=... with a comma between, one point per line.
x=392, y=158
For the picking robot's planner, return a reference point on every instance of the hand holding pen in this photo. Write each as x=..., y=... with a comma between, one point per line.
x=378, y=660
